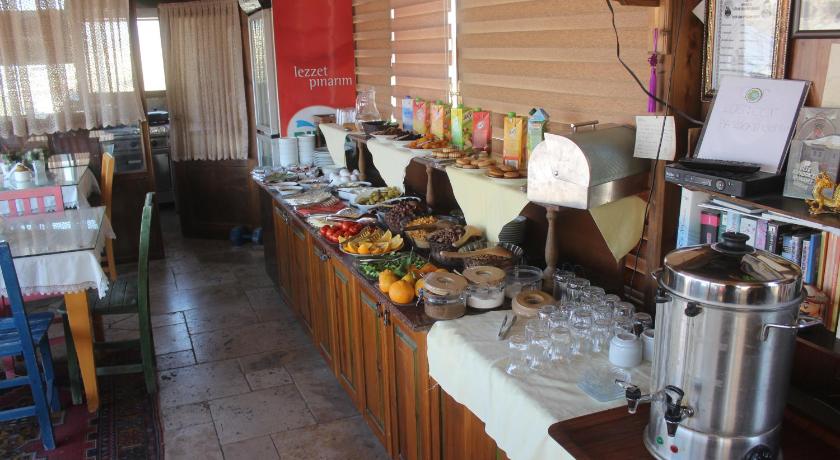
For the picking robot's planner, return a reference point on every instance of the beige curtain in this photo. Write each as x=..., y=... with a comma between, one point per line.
x=65, y=64
x=205, y=82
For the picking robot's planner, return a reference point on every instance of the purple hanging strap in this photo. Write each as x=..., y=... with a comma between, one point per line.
x=653, y=60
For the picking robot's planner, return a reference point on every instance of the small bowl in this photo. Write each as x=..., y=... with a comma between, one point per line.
x=22, y=176
x=384, y=137
x=401, y=144
x=371, y=127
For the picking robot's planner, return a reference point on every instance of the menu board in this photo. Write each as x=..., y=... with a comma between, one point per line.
x=752, y=120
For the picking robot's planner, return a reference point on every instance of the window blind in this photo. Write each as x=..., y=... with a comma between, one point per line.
x=421, y=50
x=514, y=55
x=372, y=36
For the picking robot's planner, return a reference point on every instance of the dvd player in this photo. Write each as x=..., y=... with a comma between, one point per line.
x=739, y=185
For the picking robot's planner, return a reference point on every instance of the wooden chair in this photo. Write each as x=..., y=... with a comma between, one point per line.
x=107, y=188
x=20, y=201
x=19, y=334
x=127, y=295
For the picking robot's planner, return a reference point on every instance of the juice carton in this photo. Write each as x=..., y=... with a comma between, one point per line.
x=407, y=113
x=537, y=120
x=461, y=126
x=482, y=130
x=513, y=152
x=421, y=116
x=440, y=120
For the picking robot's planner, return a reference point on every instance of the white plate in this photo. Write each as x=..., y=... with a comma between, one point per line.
x=517, y=182
x=401, y=144
x=470, y=170
x=384, y=137
x=288, y=190
x=422, y=151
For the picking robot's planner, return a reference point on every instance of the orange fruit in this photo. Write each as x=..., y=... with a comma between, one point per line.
x=401, y=292
x=419, y=285
x=442, y=270
x=386, y=279
x=427, y=268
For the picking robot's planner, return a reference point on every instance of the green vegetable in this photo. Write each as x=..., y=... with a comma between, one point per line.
x=399, y=265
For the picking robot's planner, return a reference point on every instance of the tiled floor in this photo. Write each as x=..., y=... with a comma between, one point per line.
x=239, y=379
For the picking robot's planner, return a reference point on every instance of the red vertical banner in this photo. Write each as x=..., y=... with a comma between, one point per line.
x=316, y=72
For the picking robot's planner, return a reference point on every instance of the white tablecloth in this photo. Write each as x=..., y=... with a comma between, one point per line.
x=65, y=272
x=335, y=136
x=468, y=362
x=390, y=161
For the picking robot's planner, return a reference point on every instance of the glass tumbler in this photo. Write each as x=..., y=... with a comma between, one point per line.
x=533, y=326
x=603, y=312
x=538, y=348
x=561, y=282
x=622, y=325
x=518, y=360
x=624, y=310
x=581, y=327
x=559, y=318
x=574, y=290
x=641, y=322
x=593, y=295
x=611, y=300
x=601, y=334
x=544, y=315
x=561, y=344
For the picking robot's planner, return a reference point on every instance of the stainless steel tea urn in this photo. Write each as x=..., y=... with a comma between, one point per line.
x=726, y=322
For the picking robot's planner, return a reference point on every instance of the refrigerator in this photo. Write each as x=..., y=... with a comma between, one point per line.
x=264, y=79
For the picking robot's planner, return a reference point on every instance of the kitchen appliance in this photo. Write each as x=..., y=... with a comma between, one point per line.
x=128, y=148
x=731, y=183
x=264, y=79
x=249, y=6
x=586, y=169
x=727, y=316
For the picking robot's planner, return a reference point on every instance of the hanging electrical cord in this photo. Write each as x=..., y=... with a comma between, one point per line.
x=668, y=107
x=635, y=77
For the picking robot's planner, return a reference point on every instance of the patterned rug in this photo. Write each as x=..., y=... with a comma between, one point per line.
x=127, y=425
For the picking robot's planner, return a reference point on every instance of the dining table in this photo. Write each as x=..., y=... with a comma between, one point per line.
x=59, y=254
x=77, y=184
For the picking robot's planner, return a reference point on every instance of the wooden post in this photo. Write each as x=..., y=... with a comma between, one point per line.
x=430, y=190
x=360, y=151
x=551, y=213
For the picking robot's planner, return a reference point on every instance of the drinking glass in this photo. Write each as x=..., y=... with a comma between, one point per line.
x=611, y=299
x=593, y=295
x=559, y=318
x=624, y=310
x=601, y=334
x=575, y=288
x=532, y=327
x=544, y=315
x=641, y=322
x=561, y=281
x=538, y=348
x=581, y=327
x=518, y=360
x=622, y=325
x=603, y=312
x=561, y=344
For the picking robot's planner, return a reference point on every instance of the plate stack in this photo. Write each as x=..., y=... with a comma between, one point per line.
x=288, y=153
x=321, y=157
x=306, y=149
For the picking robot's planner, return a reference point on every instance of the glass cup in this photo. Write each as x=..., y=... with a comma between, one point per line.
x=622, y=325
x=574, y=290
x=561, y=281
x=581, y=326
x=533, y=326
x=538, y=348
x=601, y=334
x=641, y=322
x=561, y=344
x=518, y=360
x=611, y=300
x=593, y=295
x=559, y=318
x=624, y=310
x=603, y=312
x=544, y=315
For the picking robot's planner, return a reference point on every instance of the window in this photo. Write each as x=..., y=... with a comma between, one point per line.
x=151, y=54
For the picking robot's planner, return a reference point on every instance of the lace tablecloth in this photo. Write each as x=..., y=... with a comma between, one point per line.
x=64, y=272
x=468, y=362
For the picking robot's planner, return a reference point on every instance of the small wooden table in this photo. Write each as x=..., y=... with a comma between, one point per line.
x=59, y=254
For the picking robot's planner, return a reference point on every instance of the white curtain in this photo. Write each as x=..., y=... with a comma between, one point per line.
x=205, y=81
x=65, y=64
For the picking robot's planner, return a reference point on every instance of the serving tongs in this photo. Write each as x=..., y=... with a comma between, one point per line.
x=503, y=331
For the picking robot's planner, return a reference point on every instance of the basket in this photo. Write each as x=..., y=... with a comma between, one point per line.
x=504, y=264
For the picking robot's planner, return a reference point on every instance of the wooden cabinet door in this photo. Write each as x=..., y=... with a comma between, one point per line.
x=282, y=251
x=300, y=274
x=376, y=408
x=462, y=434
x=349, y=361
x=319, y=304
x=411, y=390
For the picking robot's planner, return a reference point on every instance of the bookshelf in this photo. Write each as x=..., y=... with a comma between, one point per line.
x=819, y=338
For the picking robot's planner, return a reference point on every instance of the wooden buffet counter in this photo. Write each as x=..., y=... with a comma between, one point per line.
x=376, y=349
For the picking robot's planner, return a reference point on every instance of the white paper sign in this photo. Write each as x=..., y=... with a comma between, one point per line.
x=700, y=11
x=752, y=120
x=648, y=133
x=831, y=91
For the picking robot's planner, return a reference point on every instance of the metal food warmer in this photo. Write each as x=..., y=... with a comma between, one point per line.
x=586, y=169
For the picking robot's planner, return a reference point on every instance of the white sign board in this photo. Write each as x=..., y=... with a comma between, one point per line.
x=752, y=120
x=649, y=132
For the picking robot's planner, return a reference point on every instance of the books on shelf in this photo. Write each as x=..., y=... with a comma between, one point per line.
x=815, y=248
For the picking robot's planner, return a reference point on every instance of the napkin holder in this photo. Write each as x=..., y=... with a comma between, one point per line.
x=584, y=170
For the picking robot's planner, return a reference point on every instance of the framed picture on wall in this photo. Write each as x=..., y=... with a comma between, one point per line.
x=745, y=38
x=816, y=18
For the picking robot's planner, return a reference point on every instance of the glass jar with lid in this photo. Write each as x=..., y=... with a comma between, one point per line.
x=444, y=296
x=523, y=278
x=487, y=287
